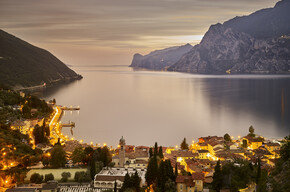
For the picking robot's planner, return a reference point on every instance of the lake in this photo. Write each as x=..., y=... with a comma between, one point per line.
x=149, y=106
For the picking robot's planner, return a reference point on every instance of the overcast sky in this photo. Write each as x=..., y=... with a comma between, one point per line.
x=107, y=32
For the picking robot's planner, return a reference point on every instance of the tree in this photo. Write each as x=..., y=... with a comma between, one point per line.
x=251, y=130
x=184, y=145
x=58, y=157
x=176, y=170
x=165, y=172
x=280, y=175
x=136, y=181
x=45, y=161
x=48, y=177
x=150, y=152
x=217, y=177
x=93, y=170
x=245, y=143
x=127, y=182
x=65, y=176
x=160, y=153
x=152, y=171
x=78, y=155
x=227, y=137
x=39, y=134
x=36, y=178
x=82, y=176
x=155, y=149
x=170, y=186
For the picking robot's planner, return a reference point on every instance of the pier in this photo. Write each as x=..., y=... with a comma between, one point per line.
x=70, y=124
x=70, y=108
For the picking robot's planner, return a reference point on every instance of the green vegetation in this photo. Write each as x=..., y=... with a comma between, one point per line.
x=184, y=145
x=24, y=65
x=238, y=175
x=251, y=130
x=82, y=177
x=227, y=138
x=131, y=183
x=36, y=178
x=279, y=178
x=159, y=172
x=58, y=157
x=48, y=177
x=78, y=155
x=65, y=176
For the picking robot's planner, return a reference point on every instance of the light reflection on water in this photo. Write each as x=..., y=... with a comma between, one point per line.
x=149, y=106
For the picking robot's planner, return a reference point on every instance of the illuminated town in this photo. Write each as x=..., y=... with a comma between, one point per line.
x=193, y=162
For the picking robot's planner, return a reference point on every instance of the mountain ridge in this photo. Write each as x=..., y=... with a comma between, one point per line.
x=24, y=65
x=257, y=43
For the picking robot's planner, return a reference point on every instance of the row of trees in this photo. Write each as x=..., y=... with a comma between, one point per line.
x=80, y=177
x=160, y=173
x=131, y=183
x=237, y=175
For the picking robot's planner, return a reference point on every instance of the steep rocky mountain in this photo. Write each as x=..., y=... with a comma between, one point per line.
x=226, y=50
x=160, y=59
x=265, y=23
x=258, y=43
x=24, y=65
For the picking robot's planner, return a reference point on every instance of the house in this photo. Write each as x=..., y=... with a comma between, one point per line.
x=108, y=181
x=253, y=142
x=185, y=184
x=45, y=187
x=190, y=183
x=272, y=146
x=234, y=146
x=106, y=178
x=203, y=154
x=198, y=179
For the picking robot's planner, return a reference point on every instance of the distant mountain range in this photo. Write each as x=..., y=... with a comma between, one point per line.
x=258, y=43
x=24, y=65
x=160, y=59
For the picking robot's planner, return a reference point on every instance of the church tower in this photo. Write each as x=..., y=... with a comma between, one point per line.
x=122, y=152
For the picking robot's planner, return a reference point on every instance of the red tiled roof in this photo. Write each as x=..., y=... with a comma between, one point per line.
x=187, y=180
x=197, y=176
x=109, y=178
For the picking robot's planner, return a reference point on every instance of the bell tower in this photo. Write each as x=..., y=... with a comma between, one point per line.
x=122, y=144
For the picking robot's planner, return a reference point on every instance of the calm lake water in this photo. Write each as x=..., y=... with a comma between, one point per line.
x=148, y=106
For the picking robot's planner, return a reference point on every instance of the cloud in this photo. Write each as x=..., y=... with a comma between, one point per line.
x=118, y=23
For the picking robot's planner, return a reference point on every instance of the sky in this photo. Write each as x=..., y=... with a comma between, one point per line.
x=109, y=32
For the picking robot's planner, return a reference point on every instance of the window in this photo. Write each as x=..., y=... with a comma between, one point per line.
x=181, y=186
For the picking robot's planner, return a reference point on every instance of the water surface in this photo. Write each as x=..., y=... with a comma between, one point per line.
x=149, y=106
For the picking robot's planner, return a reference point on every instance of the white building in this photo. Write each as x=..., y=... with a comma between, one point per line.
x=107, y=177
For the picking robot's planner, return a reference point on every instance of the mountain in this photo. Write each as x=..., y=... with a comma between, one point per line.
x=257, y=43
x=265, y=23
x=160, y=59
x=224, y=50
x=25, y=65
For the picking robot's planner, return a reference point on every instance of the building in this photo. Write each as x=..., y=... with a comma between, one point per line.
x=190, y=183
x=122, y=144
x=253, y=142
x=203, y=154
x=108, y=176
x=137, y=158
x=272, y=146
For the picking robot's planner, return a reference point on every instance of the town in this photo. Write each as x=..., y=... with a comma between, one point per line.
x=36, y=156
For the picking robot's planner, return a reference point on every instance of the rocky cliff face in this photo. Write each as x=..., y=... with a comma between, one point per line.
x=265, y=23
x=24, y=65
x=160, y=59
x=224, y=50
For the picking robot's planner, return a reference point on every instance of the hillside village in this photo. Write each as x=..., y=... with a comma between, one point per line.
x=43, y=159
